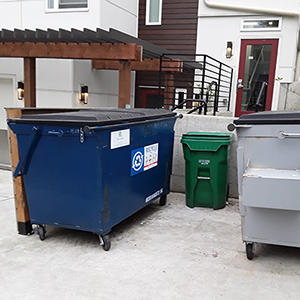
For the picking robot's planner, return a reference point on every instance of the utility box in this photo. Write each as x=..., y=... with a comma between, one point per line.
x=90, y=169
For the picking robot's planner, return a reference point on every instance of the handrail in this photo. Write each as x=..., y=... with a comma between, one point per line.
x=194, y=80
x=264, y=84
x=202, y=101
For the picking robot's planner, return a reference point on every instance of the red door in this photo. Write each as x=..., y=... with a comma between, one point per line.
x=152, y=99
x=256, y=76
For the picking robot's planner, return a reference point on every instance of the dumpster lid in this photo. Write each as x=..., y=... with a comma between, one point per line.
x=270, y=117
x=95, y=116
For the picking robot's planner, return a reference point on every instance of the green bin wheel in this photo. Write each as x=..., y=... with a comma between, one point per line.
x=105, y=241
x=163, y=200
x=249, y=250
x=41, y=231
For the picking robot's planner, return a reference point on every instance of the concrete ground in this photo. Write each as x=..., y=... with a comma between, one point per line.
x=170, y=252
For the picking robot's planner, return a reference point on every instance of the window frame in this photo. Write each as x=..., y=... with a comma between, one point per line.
x=147, y=19
x=279, y=19
x=57, y=9
x=177, y=92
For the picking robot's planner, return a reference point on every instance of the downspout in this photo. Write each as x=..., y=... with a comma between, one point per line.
x=269, y=11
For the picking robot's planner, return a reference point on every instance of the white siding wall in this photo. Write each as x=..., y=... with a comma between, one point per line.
x=217, y=26
x=58, y=80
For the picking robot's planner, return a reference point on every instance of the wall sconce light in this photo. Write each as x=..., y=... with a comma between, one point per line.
x=229, y=50
x=84, y=94
x=20, y=90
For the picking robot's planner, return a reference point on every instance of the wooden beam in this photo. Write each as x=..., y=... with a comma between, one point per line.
x=29, y=82
x=169, y=90
x=145, y=65
x=72, y=50
x=124, y=83
x=22, y=211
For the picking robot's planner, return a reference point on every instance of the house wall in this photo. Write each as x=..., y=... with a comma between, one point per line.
x=58, y=81
x=179, y=23
x=289, y=96
x=217, y=26
x=177, y=32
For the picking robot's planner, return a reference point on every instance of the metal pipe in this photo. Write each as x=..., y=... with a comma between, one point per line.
x=264, y=84
x=270, y=11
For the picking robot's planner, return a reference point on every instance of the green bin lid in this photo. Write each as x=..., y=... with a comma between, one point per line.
x=207, y=135
x=206, y=141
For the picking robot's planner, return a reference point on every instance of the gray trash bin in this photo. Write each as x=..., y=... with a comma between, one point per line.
x=269, y=178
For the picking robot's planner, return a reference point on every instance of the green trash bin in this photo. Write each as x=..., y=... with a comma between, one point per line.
x=206, y=157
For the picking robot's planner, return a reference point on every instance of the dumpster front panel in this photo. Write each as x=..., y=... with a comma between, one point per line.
x=63, y=183
x=130, y=183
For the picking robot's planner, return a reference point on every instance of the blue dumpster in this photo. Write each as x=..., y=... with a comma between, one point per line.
x=90, y=169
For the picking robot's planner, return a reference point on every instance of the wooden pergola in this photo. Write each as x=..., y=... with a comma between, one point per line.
x=111, y=50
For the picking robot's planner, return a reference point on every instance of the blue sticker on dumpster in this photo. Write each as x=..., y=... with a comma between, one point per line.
x=143, y=159
x=137, y=161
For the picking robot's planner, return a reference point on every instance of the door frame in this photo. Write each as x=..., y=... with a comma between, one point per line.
x=272, y=69
x=149, y=91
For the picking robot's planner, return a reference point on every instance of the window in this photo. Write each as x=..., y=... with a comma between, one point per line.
x=180, y=96
x=153, y=12
x=267, y=24
x=66, y=4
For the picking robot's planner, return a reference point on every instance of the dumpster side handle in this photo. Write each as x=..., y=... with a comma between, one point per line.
x=282, y=135
x=23, y=159
x=232, y=127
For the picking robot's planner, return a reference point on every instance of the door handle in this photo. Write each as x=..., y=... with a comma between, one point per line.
x=240, y=83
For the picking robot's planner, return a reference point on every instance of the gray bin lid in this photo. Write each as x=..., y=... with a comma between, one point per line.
x=270, y=117
x=94, y=117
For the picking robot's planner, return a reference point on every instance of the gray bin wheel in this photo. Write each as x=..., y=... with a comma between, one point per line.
x=105, y=241
x=41, y=231
x=249, y=250
x=163, y=200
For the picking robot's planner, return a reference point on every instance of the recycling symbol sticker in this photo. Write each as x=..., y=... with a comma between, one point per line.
x=137, y=161
x=143, y=159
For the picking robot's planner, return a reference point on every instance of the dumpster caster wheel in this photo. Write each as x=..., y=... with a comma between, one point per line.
x=163, y=200
x=105, y=242
x=41, y=232
x=249, y=250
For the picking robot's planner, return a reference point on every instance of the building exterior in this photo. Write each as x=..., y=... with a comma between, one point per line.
x=261, y=38
x=258, y=39
x=171, y=24
x=264, y=36
x=59, y=81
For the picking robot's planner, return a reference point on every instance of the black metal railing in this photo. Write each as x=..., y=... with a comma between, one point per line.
x=202, y=83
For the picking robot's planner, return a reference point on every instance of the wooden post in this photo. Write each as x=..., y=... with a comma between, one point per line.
x=29, y=82
x=169, y=90
x=124, y=83
x=22, y=211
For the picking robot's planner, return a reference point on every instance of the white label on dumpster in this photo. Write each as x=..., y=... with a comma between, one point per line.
x=156, y=194
x=151, y=156
x=120, y=138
